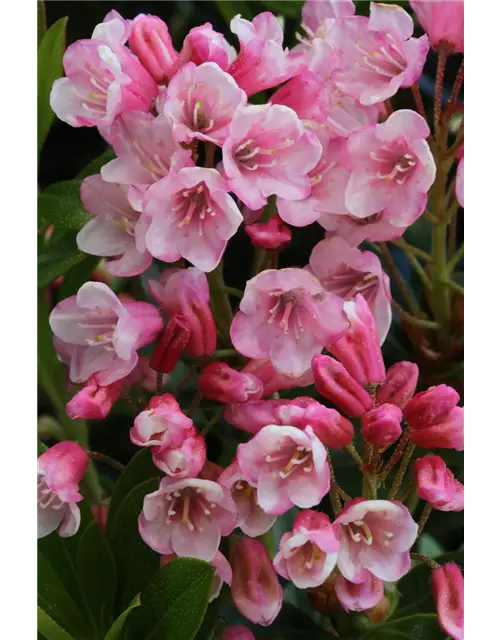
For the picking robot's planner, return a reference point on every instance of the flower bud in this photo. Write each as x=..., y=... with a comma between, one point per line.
x=252, y=416
x=273, y=380
x=171, y=345
x=358, y=349
x=93, y=402
x=218, y=381
x=162, y=424
x=100, y=512
x=237, y=633
x=255, y=589
x=323, y=598
x=448, y=590
x=272, y=234
x=152, y=44
x=399, y=384
x=183, y=461
x=359, y=597
x=334, y=383
x=211, y=471
x=437, y=484
x=443, y=21
x=382, y=425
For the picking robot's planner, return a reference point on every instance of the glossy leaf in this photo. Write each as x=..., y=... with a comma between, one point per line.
x=58, y=258
x=419, y=627
x=49, y=627
x=60, y=204
x=94, y=166
x=78, y=275
x=118, y=625
x=41, y=21
x=230, y=8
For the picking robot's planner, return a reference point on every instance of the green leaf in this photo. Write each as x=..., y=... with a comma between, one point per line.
x=96, y=573
x=230, y=8
x=78, y=275
x=95, y=165
x=49, y=627
x=423, y=626
x=58, y=258
x=175, y=601
x=41, y=448
x=283, y=7
x=429, y=547
x=60, y=204
x=135, y=561
x=41, y=21
x=50, y=55
x=118, y=625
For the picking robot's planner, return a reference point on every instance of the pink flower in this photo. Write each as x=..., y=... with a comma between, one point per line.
x=93, y=402
x=448, y=590
x=152, y=44
x=375, y=536
x=328, y=181
x=287, y=465
x=359, y=597
x=171, y=345
x=201, y=101
x=347, y=271
x=252, y=520
x=399, y=384
x=218, y=381
x=307, y=555
x=273, y=234
x=100, y=335
x=193, y=217
x=116, y=229
x=256, y=592
x=443, y=21
x=382, y=425
x=437, y=485
x=223, y=572
x=379, y=56
x=268, y=151
x=356, y=230
x=315, y=12
x=103, y=79
x=275, y=381
x=307, y=95
x=287, y=317
x=392, y=169
x=459, y=184
x=186, y=292
x=261, y=63
x=60, y=470
x=333, y=382
x=187, y=517
x=238, y=632
x=162, y=424
x=203, y=44
x=182, y=461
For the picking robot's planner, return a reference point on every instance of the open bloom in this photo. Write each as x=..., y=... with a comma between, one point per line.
x=116, y=229
x=347, y=271
x=443, y=21
x=392, y=169
x=193, y=216
x=187, y=517
x=448, y=590
x=315, y=12
x=218, y=381
x=307, y=554
x=268, y=151
x=151, y=42
x=103, y=79
x=356, y=230
x=223, y=572
x=93, y=402
x=375, y=536
x=60, y=470
x=287, y=317
x=437, y=484
x=201, y=101
x=162, y=424
x=252, y=520
x=307, y=95
x=359, y=597
x=287, y=465
x=97, y=334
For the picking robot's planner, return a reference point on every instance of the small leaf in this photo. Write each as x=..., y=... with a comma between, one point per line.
x=78, y=275
x=59, y=258
x=283, y=7
x=41, y=448
x=423, y=626
x=41, y=21
x=95, y=165
x=118, y=625
x=50, y=54
x=60, y=204
x=175, y=601
x=429, y=547
x=49, y=627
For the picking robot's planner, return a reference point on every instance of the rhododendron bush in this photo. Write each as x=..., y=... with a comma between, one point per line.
x=251, y=321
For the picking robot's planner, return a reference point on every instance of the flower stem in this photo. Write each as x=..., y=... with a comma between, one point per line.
x=457, y=256
x=334, y=493
x=428, y=561
x=419, y=103
x=354, y=453
x=457, y=85
x=111, y=462
x=223, y=312
x=418, y=322
x=401, y=471
x=424, y=517
x=396, y=456
x=438, y=98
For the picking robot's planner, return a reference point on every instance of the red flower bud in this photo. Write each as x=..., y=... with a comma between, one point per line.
x=437, y=484
x=273, y=234
x=218, y=381
x=399, y=384
x=171, y=345
x=382, y=425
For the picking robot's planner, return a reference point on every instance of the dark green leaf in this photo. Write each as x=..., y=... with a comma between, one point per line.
x=95, y=165
x=230, y=8
x=49, y=627
x=41, y=448
x=135, y=561
x=59, y=258
x=60, y=204
x=78, y=275
x=118, y=625
x=41, y=21
x=175, y=601
x=283, y=7
x=50, y=55
x=96, y=573
x=420, y=627
x=429, y=547
x=209, y=624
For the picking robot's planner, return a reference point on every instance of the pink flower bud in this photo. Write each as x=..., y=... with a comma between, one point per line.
x=183, y=461
x=334, y=383
x=171, y=345
x=273, y=380
x=211, y=471
x=93, y=402
x=256, y=592
x=359, y=349
x=218, y=381
x=448, y=590
x=437, y=484
x=152, y=44
x=443, y=21
x=382, y=425
x=162, y=424
x=273, y=234
x=252, y=416
x=399, y=384
x=359, y=597
x=237, y=633
x=100, y=512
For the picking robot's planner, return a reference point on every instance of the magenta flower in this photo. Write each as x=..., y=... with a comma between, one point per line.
x=307, y=95
x=60, y=470
x=347, y=271
x=273, y=234
x=443, y=21
x=93, y=402
x=359, y=597
x=307, y=555
x=375, y=536
x=162, y=424
x=356, y=230
x=252, y=520
x=187, y=517
x=103, y=79
x=287, y=317
x=193, y=216
x=382, y=425
x=268, y=151
x=201, y=101
x=287, y=465
x=116, y=229
x=97, y=334
x=437, y=484
x=392, y=169
x=315, y=12
x=448, y=590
